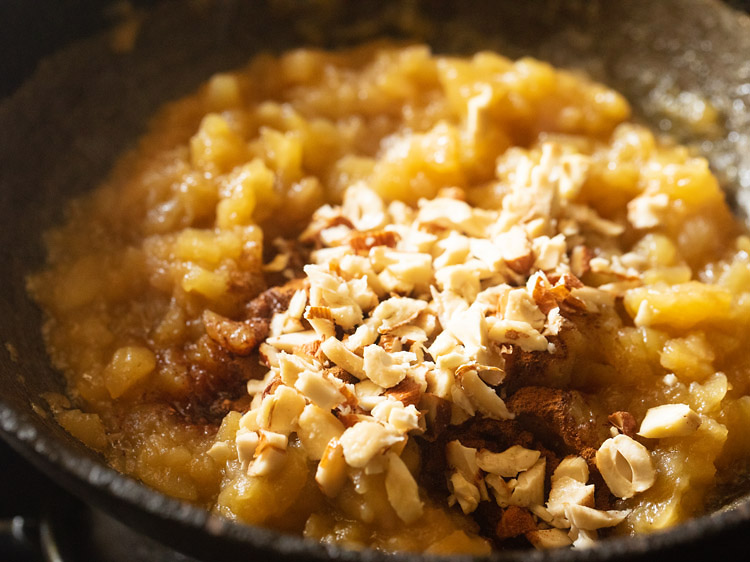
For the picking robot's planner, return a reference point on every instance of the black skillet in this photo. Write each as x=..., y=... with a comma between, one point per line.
x=60, y=133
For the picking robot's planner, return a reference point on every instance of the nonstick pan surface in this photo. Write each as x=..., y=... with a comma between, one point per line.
x=61, y=132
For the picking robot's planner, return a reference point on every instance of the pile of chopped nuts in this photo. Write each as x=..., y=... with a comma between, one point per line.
x=400, y=330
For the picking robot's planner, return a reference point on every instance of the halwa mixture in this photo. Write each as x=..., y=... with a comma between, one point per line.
x=395, y=300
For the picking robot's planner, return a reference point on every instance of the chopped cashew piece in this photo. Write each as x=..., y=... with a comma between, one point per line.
x=589, y=519
x=572, y=467
x=393, y=412
x=508, y=463
x=341, y=356
x=332, y=471
x=246, y=443
x=568, y=491
x=395, y=312
x=543, y=539
x=501, y=489
x=270, y=455
x=386, y=369
x=402, y=490
x=626, y=466
x=582, y=538
x=483, y=397
x=319, y=389
x=669, y=420
x=316, y=429
x=365, y=440
x=290, y=342
x=466, y=493
x=280, y=411
x=529, y=489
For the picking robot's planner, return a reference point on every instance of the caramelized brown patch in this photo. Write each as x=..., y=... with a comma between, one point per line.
x=515, y=521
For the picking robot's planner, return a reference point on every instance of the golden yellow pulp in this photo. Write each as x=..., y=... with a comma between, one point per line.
x=180, y=228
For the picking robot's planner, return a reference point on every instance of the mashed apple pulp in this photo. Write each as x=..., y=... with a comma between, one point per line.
x=599, y=269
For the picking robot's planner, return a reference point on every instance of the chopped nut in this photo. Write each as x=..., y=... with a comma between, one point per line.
x=624, y=422
x=363, y=241
x=493, y=376
x=332, y=470
x=386, y=369
x=508, y=463
x=270, y=455
x=464, y=459
x=319, y=389
x=669, y=420
x=517, y=333
x=466, y=493
x=395, y=312
x=365, y=440
x=291, y=365
x=402, y=490
x=404, y=271
x=529, y=489
x=280, y=411
x=550, y=252
x=246, y=443
x=321, y=320
x=582, y=538
x=543, y=539
x=454, y=250
x=290, y=342
x=625, y=466
x=520, y=307
x=317, y=427
x=500, y=488
x=341, y=356
x=369, y=394
x=566, y=490
x=589, y=519
x=483, y=397
x=403, y=419
x=462, y=279
x=572, y=467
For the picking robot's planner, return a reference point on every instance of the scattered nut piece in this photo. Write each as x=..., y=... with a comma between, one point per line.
x=624, y=422
x=246, y=443
x=529, y=489
x=402, y=490
x=386, y=369
x=332, y=471
x=567, y=491
x=464, y=492
x=483, y=397
x=280, y=411
x=365, y=440
x=270, y=455
x=589, y=519
x=317, y=427
x=669, y=420
x=319, y=389
x=508, y=463
x=625, y=466
x=543, y=539
x=341, y=356
x=395, y=312
x=572, y=467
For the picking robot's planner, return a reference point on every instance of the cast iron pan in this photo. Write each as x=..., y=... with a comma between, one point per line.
x=61, y=132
